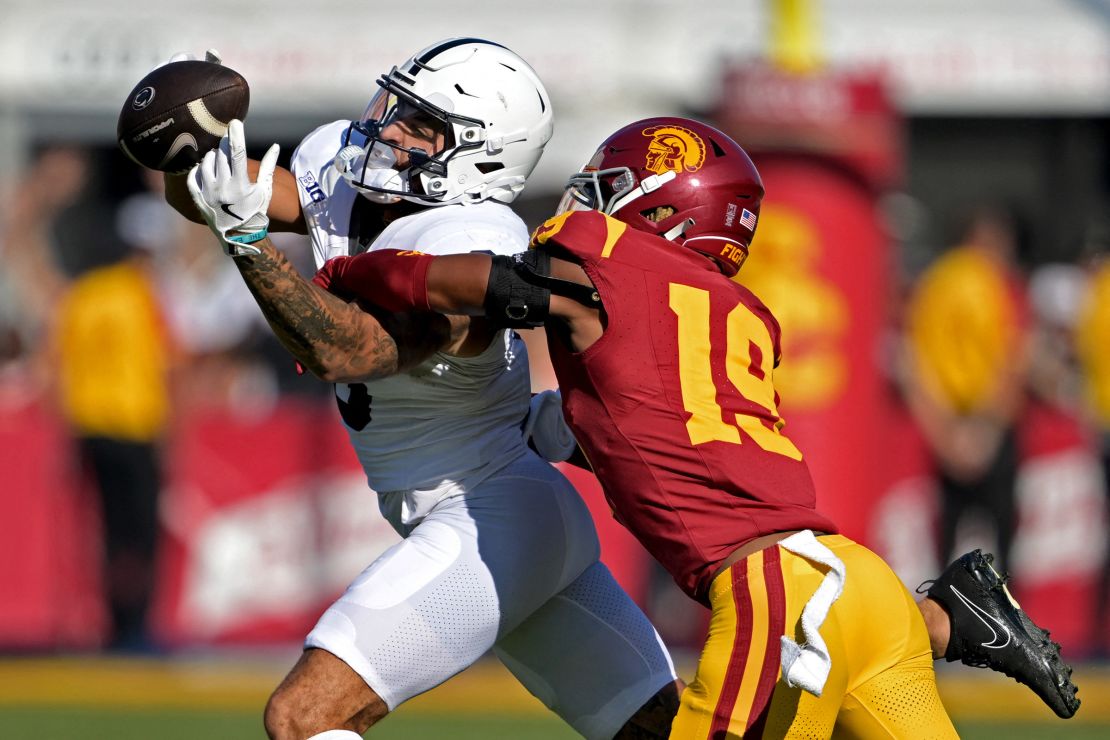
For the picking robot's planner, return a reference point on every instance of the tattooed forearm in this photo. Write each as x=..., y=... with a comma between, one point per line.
x=334, y=340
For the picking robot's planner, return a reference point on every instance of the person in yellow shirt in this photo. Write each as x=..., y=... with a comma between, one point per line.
x=112, y=356
x=967, y=362
x=1093, y=342
x=1092, y=336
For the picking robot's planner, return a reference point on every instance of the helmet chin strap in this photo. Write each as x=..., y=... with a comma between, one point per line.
x=677, y=230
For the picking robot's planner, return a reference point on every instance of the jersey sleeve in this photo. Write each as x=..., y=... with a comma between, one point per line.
x=326, y=199
x=316, y=152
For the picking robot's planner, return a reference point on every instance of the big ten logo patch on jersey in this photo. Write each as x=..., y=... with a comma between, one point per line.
x=785, y=273
x=308, y=182
x=673, y=149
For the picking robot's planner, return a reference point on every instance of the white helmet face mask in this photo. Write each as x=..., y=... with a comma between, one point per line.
x=482, y=105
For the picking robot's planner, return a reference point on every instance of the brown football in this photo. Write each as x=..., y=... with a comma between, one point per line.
x=178, y=112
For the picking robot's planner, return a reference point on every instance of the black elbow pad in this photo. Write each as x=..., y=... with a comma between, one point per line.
x=516, y=296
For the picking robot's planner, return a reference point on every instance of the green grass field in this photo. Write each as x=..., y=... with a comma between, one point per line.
x=221, y=698
x=99, y=724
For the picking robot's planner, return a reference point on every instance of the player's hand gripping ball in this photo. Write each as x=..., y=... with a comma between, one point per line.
x=180, y=111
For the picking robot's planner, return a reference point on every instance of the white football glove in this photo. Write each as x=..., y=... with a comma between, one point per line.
x=547, y=429
x=234, y=207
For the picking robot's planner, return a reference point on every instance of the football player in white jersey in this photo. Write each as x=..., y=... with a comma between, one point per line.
x=499, y=551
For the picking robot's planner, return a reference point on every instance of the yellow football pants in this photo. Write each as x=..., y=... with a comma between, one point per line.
x=881, y=684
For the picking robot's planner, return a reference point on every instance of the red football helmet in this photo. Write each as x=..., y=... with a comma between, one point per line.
x=679, y=179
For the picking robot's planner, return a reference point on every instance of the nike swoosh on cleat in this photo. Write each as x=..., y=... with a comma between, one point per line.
x=983, y=617
x=227, y=209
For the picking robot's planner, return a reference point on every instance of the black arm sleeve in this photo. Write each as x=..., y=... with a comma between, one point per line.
x=520, y=286
x=514, y=297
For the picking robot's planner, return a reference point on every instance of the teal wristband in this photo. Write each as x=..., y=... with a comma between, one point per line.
x=249, y=238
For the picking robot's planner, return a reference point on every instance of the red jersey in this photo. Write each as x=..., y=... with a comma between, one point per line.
x=674, y=404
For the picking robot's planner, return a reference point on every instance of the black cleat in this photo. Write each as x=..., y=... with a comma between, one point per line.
x=989, y=630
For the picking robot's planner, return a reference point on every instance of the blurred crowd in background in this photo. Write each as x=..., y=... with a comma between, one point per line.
x=117, y=315
x=122, y=324
x=83, y=227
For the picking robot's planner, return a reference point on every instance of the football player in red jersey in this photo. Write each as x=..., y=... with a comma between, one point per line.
x=665, y=365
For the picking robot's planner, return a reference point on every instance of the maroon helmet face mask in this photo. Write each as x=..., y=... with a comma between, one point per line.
x=679, y=179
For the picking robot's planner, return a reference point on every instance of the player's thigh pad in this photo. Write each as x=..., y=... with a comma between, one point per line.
x=589, y=654
x=902, y=701
x=882, y=683
x=739, y=663
x=874, y=627
x=534, y=534
x=475, y=568
x=423, y=611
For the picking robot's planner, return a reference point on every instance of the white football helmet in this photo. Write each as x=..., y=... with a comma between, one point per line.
x=487, y=102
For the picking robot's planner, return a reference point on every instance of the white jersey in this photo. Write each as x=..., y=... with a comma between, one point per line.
x=512, y=565
x=451, y=419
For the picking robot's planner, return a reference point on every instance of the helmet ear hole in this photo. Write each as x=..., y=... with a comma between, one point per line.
x=658, y=214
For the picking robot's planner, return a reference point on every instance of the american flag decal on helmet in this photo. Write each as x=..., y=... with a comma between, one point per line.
x=747, y=219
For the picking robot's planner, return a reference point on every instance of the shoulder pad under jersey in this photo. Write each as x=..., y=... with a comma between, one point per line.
x=586, y=234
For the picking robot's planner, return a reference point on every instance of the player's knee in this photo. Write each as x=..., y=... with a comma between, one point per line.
x=293, y=714
x=283, y=717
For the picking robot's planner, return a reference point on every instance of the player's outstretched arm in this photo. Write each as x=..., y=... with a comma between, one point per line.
x=335, y=340
x=508, y=291
x=457, y=284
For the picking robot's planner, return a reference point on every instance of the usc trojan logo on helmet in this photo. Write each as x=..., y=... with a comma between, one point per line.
x=674, y=149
